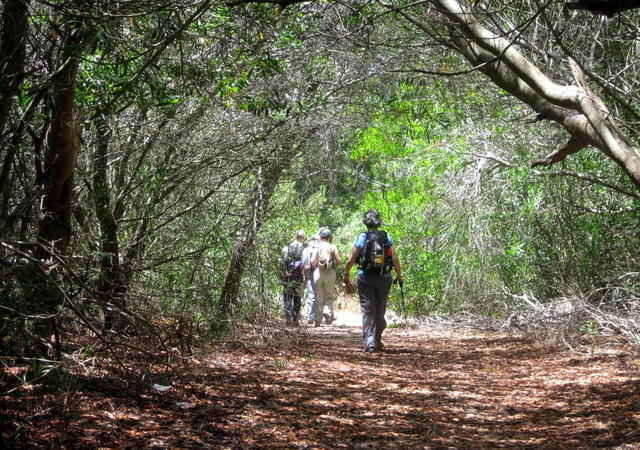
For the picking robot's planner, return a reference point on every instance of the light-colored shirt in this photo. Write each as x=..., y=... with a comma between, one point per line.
x=308, y=254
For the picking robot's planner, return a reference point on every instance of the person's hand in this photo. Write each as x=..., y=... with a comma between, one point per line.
x=348, y=287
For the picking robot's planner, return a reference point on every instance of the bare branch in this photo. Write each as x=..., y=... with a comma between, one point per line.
x=573, y=146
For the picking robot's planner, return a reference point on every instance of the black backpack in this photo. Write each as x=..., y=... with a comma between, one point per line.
x=293, y=261
x=374, y=256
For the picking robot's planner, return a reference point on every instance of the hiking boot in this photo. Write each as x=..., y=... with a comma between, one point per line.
x=329, y=318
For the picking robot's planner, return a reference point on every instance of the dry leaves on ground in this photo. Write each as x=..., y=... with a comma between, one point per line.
x=313, y=388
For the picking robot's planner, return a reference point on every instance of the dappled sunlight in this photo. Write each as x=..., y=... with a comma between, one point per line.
x=321, y=391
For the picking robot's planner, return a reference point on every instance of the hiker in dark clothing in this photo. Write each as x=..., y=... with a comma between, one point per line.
x=374, y=253
x=292, y=278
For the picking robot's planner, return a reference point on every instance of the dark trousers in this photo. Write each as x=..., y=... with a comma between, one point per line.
x=373, y=290
x=291, y=307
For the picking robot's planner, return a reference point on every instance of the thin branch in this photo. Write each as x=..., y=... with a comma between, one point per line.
x=563, y=173
x=591, y=180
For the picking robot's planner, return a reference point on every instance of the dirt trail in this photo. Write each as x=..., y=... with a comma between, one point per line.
x=313, y=388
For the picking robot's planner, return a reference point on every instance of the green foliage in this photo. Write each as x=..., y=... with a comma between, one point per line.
x=555, y=238
x=410, y=120
x=195, y=108
x=520, y=233
x=408, y=166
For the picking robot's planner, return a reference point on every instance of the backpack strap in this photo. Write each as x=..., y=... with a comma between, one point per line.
x=388, y=258
x=363, y=249
x=385, y=240
x=362, y=256
x=369, y=233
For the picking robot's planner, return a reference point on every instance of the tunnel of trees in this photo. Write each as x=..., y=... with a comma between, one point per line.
x=156, y=155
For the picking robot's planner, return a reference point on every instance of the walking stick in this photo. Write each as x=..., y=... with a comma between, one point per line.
x=403, y=311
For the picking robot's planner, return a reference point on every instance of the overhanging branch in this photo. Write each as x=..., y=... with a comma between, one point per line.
x=573, y=146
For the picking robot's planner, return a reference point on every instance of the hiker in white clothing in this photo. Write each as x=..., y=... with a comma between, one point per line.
x=309, y=298
x=324, y=264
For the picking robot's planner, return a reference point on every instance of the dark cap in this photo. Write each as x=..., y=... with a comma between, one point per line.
x=372, y=219
x=324, y=233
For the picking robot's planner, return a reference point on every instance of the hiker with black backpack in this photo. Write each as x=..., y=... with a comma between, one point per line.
x=374, y=254
x=292, y=278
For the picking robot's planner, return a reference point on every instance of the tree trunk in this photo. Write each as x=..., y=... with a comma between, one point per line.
x=265, y=186
x=12, y=60
x=62, y=147
x=12, y=55
x=112, y=286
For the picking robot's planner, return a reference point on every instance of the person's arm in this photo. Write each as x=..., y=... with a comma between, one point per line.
x=336, y=256
x=395, y=260
x=305, y=263
x=396, y=264
x=355, y=251
x=283, y=262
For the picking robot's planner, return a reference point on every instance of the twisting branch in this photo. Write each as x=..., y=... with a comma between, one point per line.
x=573, y=146
x=581, y=112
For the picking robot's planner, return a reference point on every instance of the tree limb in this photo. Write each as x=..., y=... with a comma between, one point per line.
x=573, y=146
x=575, y=107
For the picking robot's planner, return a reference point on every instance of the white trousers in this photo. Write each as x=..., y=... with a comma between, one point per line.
x=325, y=281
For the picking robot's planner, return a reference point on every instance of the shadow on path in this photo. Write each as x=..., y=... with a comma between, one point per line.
x=313, y=388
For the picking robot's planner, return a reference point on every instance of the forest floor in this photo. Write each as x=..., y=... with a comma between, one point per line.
x=313, y=388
